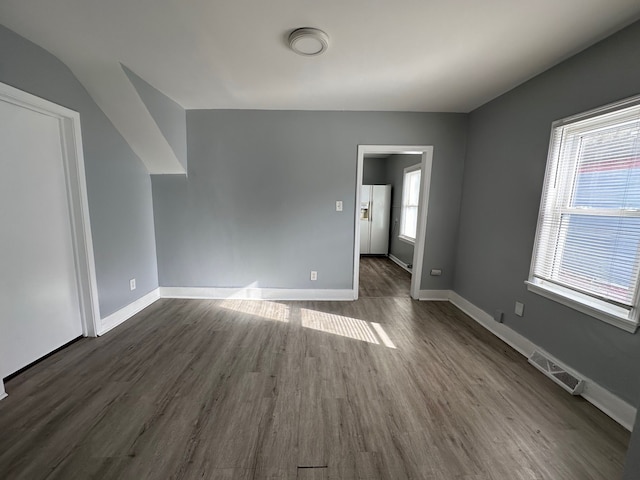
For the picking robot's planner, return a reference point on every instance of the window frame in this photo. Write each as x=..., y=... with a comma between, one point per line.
x=403, y=205
x=588, y=304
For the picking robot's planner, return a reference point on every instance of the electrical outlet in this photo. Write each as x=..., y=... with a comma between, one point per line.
x=338, y=205
x=314, y=275
x=132, y=284
x=436, y=272
x=519, y=309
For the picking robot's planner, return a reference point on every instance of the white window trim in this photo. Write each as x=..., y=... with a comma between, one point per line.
x=618, y=317
x=407, y=170
x=582, y=303
x=406, y=239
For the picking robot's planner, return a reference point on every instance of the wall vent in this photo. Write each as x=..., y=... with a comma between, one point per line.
x=559, y=374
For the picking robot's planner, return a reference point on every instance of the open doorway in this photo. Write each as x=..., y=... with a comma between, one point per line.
x=393, y=182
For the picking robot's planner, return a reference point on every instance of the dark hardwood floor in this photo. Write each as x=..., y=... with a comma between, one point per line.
x=381, y=388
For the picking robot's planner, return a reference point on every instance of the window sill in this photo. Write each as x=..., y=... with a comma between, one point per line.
x=588, y=307
x=412, y=241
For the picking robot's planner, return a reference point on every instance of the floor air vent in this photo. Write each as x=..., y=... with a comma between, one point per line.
x=557, y=373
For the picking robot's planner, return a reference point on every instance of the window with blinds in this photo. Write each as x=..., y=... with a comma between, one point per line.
x=587, y=247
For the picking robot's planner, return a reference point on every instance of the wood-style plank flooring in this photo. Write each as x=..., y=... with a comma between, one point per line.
x=380, y=277
x=381, y=388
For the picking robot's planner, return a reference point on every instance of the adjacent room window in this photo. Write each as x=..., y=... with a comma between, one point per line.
x=410, y=199
x=587, y=246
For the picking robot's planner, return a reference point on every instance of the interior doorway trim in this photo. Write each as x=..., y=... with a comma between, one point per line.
x=425, y=183
x=73, y=163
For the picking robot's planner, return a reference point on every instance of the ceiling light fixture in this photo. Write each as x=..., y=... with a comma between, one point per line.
x=308, y=41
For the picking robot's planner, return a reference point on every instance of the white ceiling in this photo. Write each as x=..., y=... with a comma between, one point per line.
x=409, y=55
x=398, y=55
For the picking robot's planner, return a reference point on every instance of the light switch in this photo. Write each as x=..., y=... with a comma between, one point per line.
x=338, y=205
x=520, y=309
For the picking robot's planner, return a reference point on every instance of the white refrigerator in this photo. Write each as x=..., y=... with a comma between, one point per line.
x=375, y=210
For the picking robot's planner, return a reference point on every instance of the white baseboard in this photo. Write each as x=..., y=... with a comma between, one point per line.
x=400, y=263
x=614, y=406
x=500, y=330
x=125, y=313
x=3, y=394
x=434, y=295
x=256, y=293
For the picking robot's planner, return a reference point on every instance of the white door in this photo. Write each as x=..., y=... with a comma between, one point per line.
x=380, y=212
x=365, y=224
x=39, y=304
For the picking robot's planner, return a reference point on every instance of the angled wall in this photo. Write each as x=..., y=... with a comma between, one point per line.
x=119, y=188
x=170, y=117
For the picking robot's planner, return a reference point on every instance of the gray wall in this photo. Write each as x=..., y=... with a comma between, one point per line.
x=395, y=176
x=258, y=206
x=119, y=188
x=168, y=115
x=374, y=171
x=504, y=171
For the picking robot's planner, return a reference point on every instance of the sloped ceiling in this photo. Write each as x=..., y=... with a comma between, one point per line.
x=167, y=114
x=118, y=98
x=407, y=55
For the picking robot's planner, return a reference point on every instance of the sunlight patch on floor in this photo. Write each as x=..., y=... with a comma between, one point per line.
x=344, y=326
x=338, y=325
x=262, y=308
x=383, y=335
x=370, y=332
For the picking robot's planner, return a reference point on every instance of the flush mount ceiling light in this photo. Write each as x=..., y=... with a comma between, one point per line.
x=308, y=41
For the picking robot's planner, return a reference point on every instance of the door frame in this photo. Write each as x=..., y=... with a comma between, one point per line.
x=73, y=163
x=426, y=152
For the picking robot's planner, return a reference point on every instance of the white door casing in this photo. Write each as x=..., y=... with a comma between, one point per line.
x=426, y=152
x=48, y=293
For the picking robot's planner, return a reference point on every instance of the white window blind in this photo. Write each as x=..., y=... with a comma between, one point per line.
x=588, y=238
x=410, y=201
